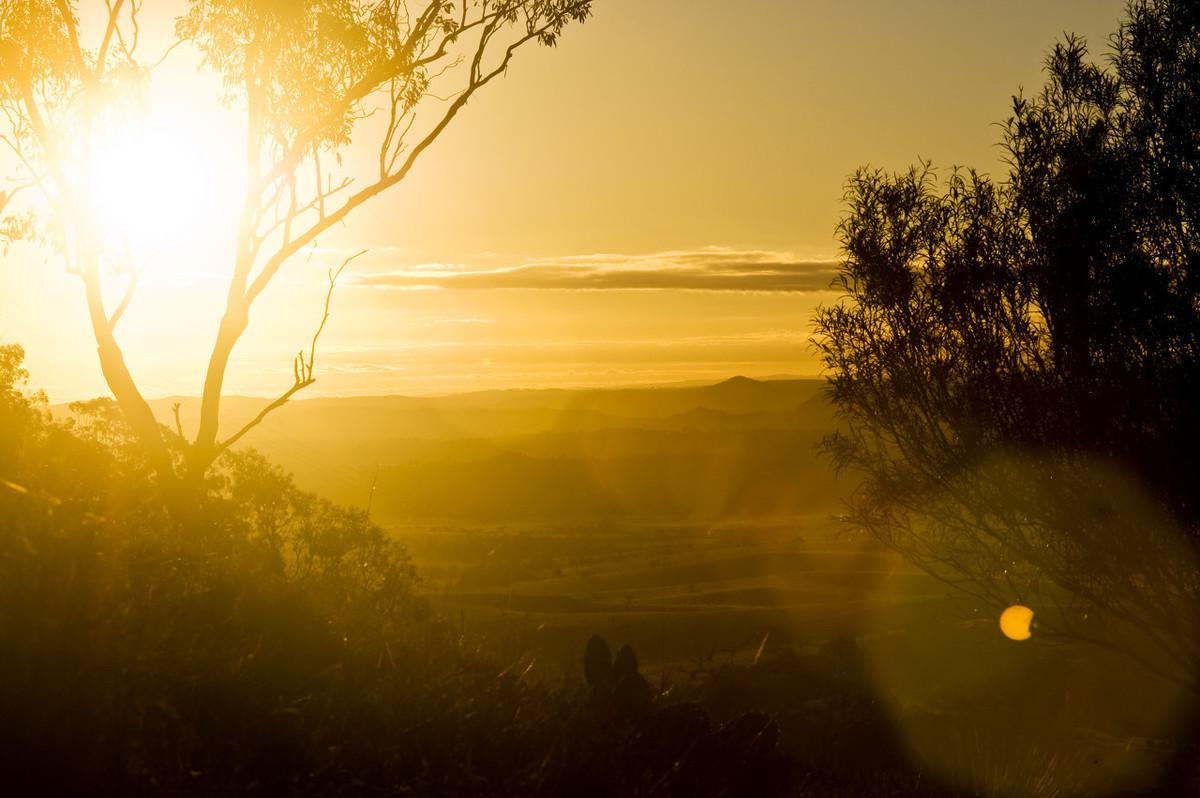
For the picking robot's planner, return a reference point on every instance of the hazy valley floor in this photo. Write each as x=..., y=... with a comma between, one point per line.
x=699, y=525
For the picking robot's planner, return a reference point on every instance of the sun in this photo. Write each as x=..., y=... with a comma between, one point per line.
x=161, y=184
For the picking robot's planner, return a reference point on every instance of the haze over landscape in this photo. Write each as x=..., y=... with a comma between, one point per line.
x=600, y=398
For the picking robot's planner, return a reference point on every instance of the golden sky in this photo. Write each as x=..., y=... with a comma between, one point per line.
x=654, y=200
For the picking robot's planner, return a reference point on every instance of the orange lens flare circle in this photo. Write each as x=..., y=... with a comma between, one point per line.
x=1015, y=622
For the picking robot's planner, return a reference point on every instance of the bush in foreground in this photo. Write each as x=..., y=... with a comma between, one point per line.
x=259, y=639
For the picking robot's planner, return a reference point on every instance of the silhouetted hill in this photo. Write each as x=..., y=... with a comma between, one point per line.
x=738, y=448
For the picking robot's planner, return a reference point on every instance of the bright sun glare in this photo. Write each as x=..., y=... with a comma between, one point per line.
x=163, y=183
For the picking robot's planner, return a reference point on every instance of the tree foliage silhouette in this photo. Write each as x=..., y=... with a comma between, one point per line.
x=304, y=72
x=1017, y=362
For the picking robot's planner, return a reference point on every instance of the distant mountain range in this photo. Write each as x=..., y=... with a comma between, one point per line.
x=739, y=448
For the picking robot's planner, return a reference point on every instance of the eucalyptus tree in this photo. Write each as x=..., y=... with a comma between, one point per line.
x=304, y=74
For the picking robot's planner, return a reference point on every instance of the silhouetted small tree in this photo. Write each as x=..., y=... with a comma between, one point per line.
x=1017, y=363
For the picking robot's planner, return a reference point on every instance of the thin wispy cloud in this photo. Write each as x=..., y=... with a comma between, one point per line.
x=708, y=269
x=472, y=321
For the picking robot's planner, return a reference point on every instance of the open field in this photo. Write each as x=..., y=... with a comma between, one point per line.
x=677, y=592
x=788, y=614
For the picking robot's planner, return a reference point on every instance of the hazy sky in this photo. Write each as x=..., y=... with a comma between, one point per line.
x=653, y=200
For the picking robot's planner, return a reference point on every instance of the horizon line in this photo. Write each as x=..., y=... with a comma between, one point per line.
x=647, y=386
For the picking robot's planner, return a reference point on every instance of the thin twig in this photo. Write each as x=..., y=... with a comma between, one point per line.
x=333, y=278
x=302, y=369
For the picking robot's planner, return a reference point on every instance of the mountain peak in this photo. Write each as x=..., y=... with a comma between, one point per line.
x=736, y=382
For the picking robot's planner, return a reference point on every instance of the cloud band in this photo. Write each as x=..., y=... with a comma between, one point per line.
x=710, y=269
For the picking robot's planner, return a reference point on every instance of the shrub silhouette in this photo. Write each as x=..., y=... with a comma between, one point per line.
x=675, y=749
x=597, y=663
x=1017, y=362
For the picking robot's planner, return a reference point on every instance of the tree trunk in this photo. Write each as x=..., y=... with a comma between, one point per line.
x=133, y=405
x=204, y=450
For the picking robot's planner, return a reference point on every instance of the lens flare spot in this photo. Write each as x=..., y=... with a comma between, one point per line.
x=1015, y=622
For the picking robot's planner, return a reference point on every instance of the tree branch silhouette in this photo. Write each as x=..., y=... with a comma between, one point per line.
x=300, y=223
x=302, y=369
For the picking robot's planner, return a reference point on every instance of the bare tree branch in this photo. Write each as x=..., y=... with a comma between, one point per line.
x=125, y=300
x=245, y=288
x=302, y=369
x=114, y=13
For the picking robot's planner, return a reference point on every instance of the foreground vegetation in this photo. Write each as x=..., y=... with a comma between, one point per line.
x=262, y=640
